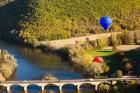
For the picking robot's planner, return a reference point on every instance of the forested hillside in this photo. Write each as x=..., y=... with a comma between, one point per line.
x=39, y=20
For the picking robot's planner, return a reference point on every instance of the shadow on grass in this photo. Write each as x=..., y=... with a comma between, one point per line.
x=114, y=62
x=106, y=51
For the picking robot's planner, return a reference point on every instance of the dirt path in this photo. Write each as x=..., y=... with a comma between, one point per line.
x=126, y=47
x=56, y=44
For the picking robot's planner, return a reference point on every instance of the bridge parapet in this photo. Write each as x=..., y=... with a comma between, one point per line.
x=61, y=83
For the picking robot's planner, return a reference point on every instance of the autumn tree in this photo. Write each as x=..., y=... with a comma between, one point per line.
x=118, y=74
x=114, y=41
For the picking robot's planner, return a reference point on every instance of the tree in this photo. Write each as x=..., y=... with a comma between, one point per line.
x=33, y=25
x=128, y=67
x=128, y=37
x=104, y=88
x=106, y=68
x=118, y=74
x=114, y=41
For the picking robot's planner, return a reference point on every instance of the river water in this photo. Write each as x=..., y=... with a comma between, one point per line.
x=34, y=63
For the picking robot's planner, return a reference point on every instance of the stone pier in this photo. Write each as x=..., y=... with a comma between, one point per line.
x=8, y=89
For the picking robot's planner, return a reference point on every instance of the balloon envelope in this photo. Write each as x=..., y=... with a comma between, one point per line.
x=98, y=59
x=106, y=22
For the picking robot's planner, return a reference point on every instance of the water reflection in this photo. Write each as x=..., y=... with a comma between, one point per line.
x=17, y=89
x=34, y=89
x=33, y=64
x=68, y=88
x=51, y=89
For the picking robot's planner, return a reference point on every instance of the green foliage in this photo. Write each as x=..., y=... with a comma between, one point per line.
x=114, y=41
x=94, y=44
x=7, y=63
x=87, y=46
x=79, y=56
x=118, y=74
x=137, y=37
x=102, y=42
x=40, y=20
x=99, y=68
x=51, y=19
x=128, y=37
x=121, y=87
x=104, y=88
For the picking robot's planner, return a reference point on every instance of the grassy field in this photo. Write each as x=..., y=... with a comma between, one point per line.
x=114, y=60
x=103, y=53
x=110, y=56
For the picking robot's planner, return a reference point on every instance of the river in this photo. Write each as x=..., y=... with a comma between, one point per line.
x=34, y=63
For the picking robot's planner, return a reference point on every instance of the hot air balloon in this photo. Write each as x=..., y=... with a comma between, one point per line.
x=98, y=59
x=105, y=22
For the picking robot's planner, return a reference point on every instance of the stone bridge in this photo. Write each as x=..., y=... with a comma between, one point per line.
x=61, y=83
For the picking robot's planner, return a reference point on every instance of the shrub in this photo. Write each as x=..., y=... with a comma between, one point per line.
x=106, y=68
x=119, y=38
x=128, y=67
x=86, y=61
x=102, y=42
x=87, y=46
x=137, y=37
x=99, y=68
x=125, y=37
x=94, y=43
x=115, y=89
x=125, y=60
x=104, y=88
x=128, y=37
x=76, y=51
x=6, y=71
x=118, y=74
x=114, y=39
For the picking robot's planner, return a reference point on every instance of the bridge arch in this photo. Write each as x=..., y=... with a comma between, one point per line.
x=16, y=88
x=51, y=87
x=69, y=86
x=33, y=88
x=86, y=84
x=16, y=85
x=87, y=87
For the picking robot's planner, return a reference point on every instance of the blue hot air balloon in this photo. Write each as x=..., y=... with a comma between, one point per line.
x=105, y=22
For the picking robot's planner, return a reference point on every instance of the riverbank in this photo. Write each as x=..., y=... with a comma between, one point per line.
x=64, y=52
x=7, y=65
x=75, y=50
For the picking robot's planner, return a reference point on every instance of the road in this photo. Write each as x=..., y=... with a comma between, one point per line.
x=67, y=81
x=57, y=44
